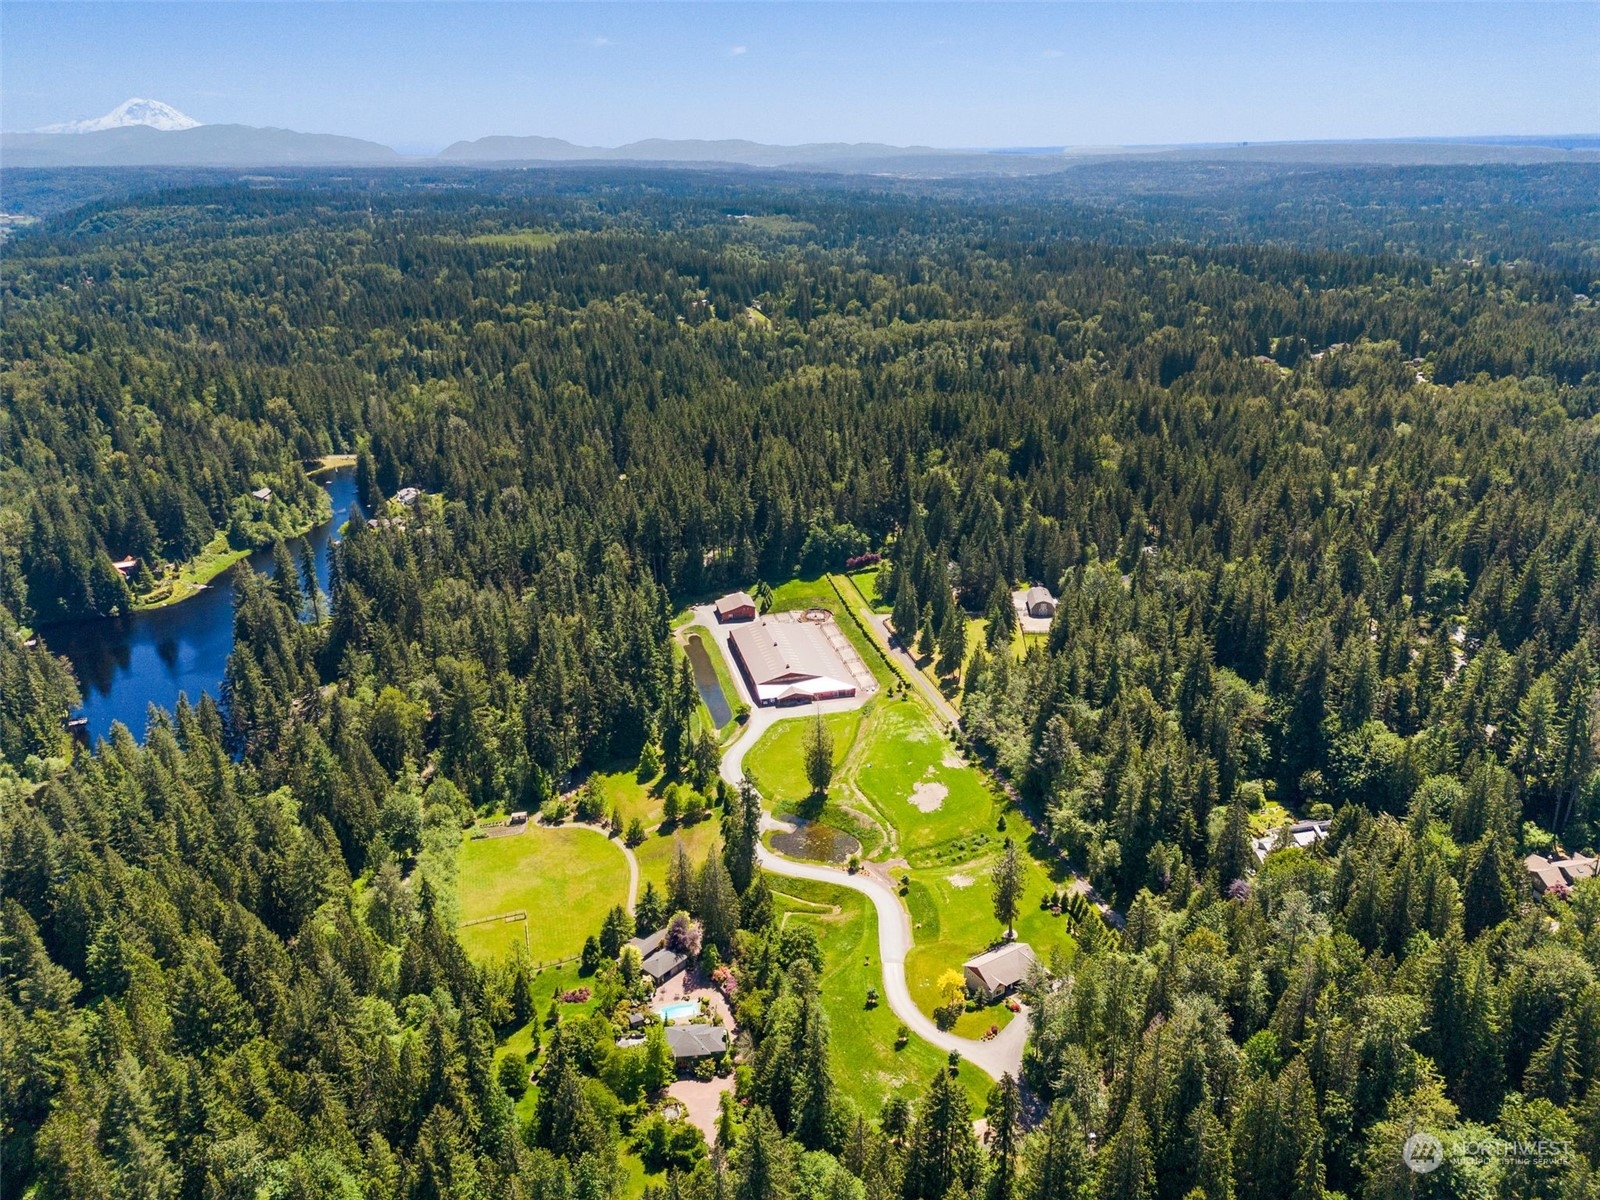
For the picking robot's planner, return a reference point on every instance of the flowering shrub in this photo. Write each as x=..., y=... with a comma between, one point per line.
x=725, y=981
x=862, y=560
x=575, y=995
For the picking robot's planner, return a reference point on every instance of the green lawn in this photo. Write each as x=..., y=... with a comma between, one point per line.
x=866, y=1066
x=215, y=557
x=547, y=984
x=918, y=782
x=866, y=583
x=622, y=788
x=777, y=763
x=655, y=854
x=952, y=919
x=564, y=879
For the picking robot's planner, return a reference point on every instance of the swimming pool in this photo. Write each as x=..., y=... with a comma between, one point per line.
x=683, y=1010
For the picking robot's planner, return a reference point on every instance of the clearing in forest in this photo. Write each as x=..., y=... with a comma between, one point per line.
x=562, y=881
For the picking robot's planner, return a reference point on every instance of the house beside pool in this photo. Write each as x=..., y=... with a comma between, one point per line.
x=663, y=965
x=691, y=1042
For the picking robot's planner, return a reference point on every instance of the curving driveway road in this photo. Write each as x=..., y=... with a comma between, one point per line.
x=1001, y=1055
x=998, y=1056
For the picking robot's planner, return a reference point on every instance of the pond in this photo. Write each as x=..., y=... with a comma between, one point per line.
x=706, y=681
x=126, y=664
x=815, y=841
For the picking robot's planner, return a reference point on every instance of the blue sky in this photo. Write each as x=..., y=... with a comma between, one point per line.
x=420, y=75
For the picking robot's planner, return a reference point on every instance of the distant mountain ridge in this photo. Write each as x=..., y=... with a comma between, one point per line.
x=724, y=150
x=200, y=146
x=149, y=133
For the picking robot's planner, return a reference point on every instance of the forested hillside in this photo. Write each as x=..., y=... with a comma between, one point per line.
x=1316, y=481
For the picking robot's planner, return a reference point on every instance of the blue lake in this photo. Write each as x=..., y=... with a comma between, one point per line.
x=126, y=664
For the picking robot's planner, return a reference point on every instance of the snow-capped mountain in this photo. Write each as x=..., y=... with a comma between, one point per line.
x=137, y=111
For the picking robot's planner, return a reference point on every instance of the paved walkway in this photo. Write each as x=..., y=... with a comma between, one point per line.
x=998, y=1056
x=942, y=708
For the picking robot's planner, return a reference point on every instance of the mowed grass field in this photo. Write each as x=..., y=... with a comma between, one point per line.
x=904, y=758
x=866, y=1066
x=952, y=919
x=655, y=854
x=565, y=879
x=777, y=763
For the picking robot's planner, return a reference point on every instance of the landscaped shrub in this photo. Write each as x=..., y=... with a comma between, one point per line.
x=577, y=995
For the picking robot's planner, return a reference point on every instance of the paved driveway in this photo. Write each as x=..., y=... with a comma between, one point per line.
x=760, y=719
x=998, y=1056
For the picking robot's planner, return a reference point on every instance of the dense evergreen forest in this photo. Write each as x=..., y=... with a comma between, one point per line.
x=1311, y=459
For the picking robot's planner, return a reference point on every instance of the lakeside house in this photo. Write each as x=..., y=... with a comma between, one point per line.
x=126, y=566
x=408, y=496
x=997, y=972
x=736, y=606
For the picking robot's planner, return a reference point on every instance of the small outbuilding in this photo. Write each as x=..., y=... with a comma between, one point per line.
x=692, y=1042
x=126, y=566
x=1038, y=602
x=735, y=606
x=997, y=972
x=663, y=965
x=262, y=494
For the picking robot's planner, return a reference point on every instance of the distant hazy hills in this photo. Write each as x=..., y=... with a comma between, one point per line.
x=142, y=132
x=202, y=146
x=728, y=150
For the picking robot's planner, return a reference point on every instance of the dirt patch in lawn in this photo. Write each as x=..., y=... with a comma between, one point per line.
x=960, y=881
x=928, y=797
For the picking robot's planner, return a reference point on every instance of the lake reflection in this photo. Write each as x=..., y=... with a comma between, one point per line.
x=126, y=664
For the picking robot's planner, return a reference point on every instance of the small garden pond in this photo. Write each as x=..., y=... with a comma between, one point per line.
x=817, y=842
